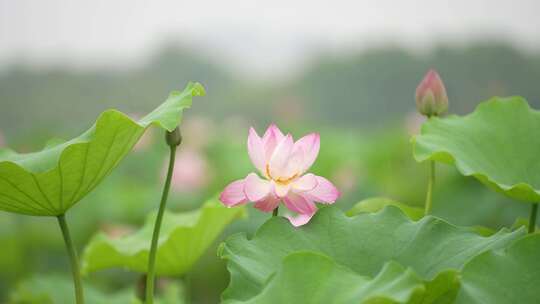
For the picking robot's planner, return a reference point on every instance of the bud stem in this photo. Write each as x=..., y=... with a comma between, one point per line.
x=187, y=287
x=532, y=218
x=275, y=212
x=150, y=279
x=431, y=182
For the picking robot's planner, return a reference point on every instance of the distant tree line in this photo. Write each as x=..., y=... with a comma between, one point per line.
x=369, y=88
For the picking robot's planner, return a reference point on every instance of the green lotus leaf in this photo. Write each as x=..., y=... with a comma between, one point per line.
x=509, y=275
x=183, y=239
x=376, y=204
x=53, y=289
x=49, y=182
x=364, y=243
x=57, y=289
x=498, y=144
x=307, y=277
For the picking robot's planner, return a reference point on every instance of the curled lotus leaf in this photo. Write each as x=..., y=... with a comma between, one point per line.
x=183, y=240
x=49, y=182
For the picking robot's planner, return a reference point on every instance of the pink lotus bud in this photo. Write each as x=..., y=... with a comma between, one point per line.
x=431, y=98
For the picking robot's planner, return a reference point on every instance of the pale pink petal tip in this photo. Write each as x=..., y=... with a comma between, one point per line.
x=256, y=150
x=300, y=219
x=233, y=194
x=273, y=132
x=274, y=128
x=310, y=145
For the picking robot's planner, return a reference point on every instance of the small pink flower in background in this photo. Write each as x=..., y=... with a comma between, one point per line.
x=116, y=231
x=283, y=164
x=190, y=171
x=413, y=123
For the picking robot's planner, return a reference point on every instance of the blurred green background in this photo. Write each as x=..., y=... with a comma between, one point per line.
x=362, y=105
x=361, y=101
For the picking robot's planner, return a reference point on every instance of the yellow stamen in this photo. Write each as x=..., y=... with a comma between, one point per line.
x=281, y=181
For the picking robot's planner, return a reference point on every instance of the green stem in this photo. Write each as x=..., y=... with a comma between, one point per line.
x=77, y=282
x=431, y=182
x=150, y=279
x=140, y=290
x=187, y=287
x=532, y=218
x=275, y=212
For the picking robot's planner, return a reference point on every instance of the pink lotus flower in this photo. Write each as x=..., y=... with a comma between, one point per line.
x=283, y=164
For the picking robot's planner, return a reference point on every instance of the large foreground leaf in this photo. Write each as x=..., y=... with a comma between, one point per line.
x=49, y=182
x=183, y=239
x=430, y=246
x=498, y=144
x=504, y=276
x=306, y=277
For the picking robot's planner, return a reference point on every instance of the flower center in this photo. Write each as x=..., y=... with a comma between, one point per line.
x=280, y=180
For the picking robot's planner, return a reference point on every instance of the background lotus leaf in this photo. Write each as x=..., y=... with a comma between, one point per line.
x=183, y=239
x=498, y=144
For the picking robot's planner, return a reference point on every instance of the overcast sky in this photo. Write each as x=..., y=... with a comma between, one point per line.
x=253, y=36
